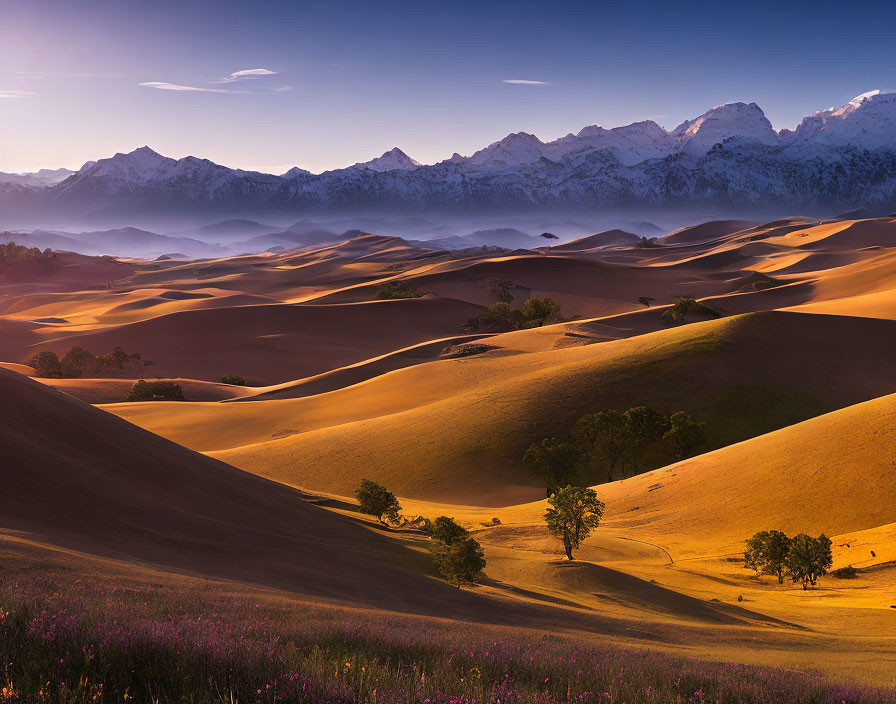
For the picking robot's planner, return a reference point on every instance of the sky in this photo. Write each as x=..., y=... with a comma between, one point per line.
x=270, y=84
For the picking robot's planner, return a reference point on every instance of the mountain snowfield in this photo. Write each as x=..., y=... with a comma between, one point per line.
x=729, y=157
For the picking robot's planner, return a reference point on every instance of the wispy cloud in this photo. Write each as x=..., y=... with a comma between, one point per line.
x=16, y=94
x=524, y=82
x=283, y=89
x=176, y=86
x=248, y=73
x=253, y=72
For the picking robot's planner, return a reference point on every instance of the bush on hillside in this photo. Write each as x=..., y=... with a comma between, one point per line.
x=233, y=380
x=500, y=317
x=156, y=391
x=397, y=289
x=848, y=572
x=685, y=306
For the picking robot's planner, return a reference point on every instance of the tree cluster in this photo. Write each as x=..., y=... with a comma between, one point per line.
x=500, y=317
x=15, y=258
x=79, y=362
x=614, y=442
x=156, y=391
x=397, y=289
x=458, y=557
x=802, y=558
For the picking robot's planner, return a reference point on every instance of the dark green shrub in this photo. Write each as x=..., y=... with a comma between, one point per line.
x=397, y=289
x=233, y=379
x=685, y=306
x=459, y=562
x=156, y=391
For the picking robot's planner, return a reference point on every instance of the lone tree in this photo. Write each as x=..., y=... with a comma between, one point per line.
x=459, y=562
x=766, y=553
x=376, y=500
x=552, y=460
x=501, y=290
x=808, y=558
x=602, y=436
x=644, y=426
x=573, y=513
x=684, y=435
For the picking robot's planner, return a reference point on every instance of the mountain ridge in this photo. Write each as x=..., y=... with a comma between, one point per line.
x=730, y=157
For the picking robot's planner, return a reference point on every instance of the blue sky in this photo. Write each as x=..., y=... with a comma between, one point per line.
x=350, y=80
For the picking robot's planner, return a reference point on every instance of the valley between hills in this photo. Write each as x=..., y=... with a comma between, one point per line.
x=248, y=488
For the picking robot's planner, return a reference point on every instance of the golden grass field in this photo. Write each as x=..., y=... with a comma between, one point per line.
x=252, y=486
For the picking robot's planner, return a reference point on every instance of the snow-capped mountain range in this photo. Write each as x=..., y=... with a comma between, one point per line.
x=729, y=157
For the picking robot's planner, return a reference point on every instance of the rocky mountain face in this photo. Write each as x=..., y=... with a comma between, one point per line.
x=836, y=159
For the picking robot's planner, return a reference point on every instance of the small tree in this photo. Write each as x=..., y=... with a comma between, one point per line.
x=460, y=562
x=552, y=460
x=766, y=553
x=541, y=311
x=644, y=426
x=808, y=558
x=603, y=436
x=501, y=290
x=46, y=365
x=376, y=500
x=446, y=530
x=684, y=435
x=233, y=379
x=573, y=513
x=77, y=361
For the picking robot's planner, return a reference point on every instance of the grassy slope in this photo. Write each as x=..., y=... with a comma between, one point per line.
x=745, y=376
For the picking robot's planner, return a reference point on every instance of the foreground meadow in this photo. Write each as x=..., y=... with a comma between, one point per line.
x=69, y=638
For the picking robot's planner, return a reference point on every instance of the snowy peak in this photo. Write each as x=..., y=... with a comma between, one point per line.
x=630, y=144
x=133, y=164
x=40, y=179
x=745, y=121
x=868, y=121
x=514, y=150
x=392, y=160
